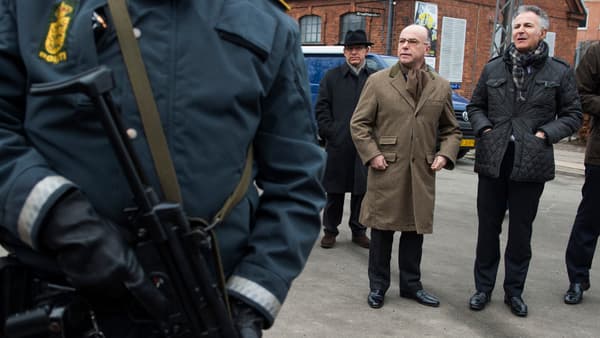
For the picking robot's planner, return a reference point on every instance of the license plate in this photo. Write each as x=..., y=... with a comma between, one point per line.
x=467, y=143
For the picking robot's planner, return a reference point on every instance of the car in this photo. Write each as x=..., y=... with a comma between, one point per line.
x=319, y=59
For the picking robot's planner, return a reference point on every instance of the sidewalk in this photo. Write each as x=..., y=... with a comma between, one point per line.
x=568, y=158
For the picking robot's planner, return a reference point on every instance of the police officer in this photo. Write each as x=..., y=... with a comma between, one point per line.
x=221, y=81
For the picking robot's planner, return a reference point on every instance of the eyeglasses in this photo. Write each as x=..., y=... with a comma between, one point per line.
x=411, y=42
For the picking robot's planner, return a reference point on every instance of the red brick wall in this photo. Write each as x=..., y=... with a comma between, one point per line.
x=478, y=13
x=330, y=12
x=592, y=32
x=565, y=29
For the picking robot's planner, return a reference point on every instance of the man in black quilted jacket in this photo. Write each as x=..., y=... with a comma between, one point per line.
x=523, y=103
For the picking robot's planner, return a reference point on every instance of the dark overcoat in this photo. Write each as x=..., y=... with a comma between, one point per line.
x=339, y=91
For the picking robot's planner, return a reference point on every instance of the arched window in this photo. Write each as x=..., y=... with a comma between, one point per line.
x=310, y=29
x=352, y=22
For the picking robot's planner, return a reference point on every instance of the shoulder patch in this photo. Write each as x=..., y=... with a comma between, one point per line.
x=282, y=4
x=53, y=49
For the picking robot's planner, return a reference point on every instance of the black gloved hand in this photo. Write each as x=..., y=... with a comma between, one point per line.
x=93, y=254
x=247, y=320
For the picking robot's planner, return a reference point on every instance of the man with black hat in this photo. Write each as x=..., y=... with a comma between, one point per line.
x=339, y=91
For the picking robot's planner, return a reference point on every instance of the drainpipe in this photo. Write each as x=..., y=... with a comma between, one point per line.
x=388, y=43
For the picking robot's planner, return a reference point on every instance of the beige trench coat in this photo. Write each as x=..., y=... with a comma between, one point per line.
x=388, y=121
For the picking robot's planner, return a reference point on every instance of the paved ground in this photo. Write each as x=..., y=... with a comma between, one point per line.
x=329, y=298
x=568, y=158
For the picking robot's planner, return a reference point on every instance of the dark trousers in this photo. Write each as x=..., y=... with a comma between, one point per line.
x=334, y=209
x=586, y=228
x=409, y=260
x=494, y=196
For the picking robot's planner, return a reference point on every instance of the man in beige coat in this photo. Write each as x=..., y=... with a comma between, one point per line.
x=400, y=115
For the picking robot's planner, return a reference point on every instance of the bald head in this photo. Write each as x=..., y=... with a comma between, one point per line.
x=419, y=30
x=413, y=44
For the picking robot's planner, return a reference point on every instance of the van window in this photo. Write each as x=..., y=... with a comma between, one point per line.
x=372, y=63
x=317, y=64
x=389, y=60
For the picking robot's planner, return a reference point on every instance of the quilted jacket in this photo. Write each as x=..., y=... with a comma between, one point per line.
x=552, y=105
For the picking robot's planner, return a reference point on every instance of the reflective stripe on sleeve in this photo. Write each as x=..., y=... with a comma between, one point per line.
x=256, y=293
x=34, y=203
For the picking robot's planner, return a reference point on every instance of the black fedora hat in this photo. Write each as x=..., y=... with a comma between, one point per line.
x=357, y=37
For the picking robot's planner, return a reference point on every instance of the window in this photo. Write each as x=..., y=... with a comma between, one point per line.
x=350, y=22
x=310, y=29
x=372, y=63
x=583, y=24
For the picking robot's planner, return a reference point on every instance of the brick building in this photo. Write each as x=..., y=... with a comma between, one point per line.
x=323, y=22
x=589, y=27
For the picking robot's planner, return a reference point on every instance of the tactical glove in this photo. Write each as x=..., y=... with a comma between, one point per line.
x=93, y=254
x=247, y=320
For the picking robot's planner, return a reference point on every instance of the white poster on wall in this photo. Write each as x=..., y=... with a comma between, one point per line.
x=452, y=50
x=550, y=40
x=430, y=61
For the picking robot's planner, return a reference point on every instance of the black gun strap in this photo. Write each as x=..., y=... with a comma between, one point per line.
x=151, y=119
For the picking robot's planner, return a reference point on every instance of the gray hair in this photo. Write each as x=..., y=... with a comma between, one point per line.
x=544, y=20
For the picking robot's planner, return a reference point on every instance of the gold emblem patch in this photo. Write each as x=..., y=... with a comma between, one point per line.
x=285, y=5
x=53, y=49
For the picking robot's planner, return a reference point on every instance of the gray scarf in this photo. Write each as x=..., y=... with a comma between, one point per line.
x=520, y=62
x=356, y=70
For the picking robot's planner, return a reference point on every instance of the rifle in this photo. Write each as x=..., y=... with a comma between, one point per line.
x=168, y=247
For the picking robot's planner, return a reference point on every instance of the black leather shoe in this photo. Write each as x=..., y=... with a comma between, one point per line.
x=375, y=298
x=479, y=300
x=517, y=305
x=575, y=293
x=422, y=297
x=585, y=286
